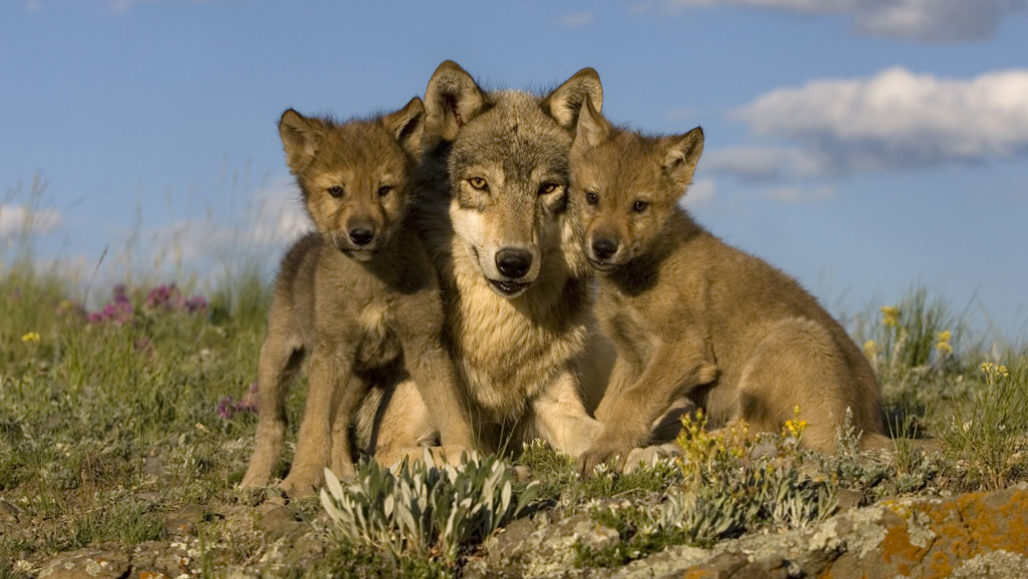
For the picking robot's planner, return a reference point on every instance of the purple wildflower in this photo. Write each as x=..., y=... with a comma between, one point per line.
x=229, y=406
x=117, y=312
x=196, y=304
x=226, y=407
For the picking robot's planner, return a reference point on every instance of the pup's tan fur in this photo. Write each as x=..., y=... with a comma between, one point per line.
x=692, y=316
x=359, y=295
x=491, y=206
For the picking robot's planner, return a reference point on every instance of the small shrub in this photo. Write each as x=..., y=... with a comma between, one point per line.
x=424, y=509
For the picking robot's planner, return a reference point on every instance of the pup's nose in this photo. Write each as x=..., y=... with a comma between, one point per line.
x=513, y=263
x=361, y=236
x=603, y=247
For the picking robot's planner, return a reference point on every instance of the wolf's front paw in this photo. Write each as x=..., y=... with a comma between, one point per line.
x=600, y=453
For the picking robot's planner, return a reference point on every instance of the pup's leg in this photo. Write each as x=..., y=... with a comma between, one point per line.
x=280, y=357
x=348, y=399
x=329, y=367
x=431, y=368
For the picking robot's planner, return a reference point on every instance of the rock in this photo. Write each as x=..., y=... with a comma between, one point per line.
x=971, y=535
x=87, y=563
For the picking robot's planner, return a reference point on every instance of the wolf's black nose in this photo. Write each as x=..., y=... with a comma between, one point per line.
x=361, y=236
x=603, y=247
x=513, y=263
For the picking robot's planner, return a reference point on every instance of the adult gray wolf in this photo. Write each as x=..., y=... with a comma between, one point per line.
x=359, y=295
x=691, y=316
x=492, y=193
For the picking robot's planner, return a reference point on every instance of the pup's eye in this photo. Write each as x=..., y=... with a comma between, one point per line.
x=640, y=205
x=591, y=198
x=336, y=191
x=547, y=188
x=385, y=190
x=479, y=184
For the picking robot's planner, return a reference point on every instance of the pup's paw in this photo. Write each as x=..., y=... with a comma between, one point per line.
x=301, y=483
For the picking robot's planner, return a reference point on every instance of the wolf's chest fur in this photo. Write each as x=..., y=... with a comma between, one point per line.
x=510, y=349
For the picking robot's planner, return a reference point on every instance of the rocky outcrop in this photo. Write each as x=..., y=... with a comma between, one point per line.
x=971, y=535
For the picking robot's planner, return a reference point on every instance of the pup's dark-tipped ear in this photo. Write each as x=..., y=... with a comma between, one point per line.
x=681, y=154
x=407, y=125
x=592, y=127
x=564, y=103
x=451, y=100
x=300, y=137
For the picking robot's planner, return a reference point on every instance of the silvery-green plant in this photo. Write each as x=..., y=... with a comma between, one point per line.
x=424, y=509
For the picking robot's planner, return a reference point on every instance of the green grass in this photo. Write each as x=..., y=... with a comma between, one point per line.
x=107, y=430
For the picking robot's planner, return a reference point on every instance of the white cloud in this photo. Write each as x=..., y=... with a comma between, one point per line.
x=16, y=220
x=273, y=219
x=895, y=119
x=766, y=163
x=122, y=6
x=921, y=20
x=576, y=19
x=700, y=193
x=32, y=5
x=799, y=194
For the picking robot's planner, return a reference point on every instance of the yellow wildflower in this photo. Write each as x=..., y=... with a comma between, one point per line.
x=944, y=348
x=31, y=337
x=870, y=348
x=944, y=336
x=890, y=316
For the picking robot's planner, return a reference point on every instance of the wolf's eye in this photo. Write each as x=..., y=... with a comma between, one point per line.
x=479, y=184
x=385, y=190
x=640, y=205
x=591, y=198
x=336, y=191
x=547, y=188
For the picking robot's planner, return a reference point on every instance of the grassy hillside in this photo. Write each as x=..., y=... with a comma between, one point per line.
x=118, y=424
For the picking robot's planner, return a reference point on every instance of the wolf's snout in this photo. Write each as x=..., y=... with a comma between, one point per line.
x=361, y=236
x=513, y=263
x=604, y=247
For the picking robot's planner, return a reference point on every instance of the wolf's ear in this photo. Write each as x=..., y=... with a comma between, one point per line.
x=564, y=103
x=592, y=127
x=300, y=138
x=681, y=154
x=407, y=125
x=451, y=100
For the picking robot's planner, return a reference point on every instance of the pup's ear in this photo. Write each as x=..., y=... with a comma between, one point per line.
x=564, y=103
x=407, y=125
x=300, y=138
x=681, y=153
x=451, y=100
x=592, y=127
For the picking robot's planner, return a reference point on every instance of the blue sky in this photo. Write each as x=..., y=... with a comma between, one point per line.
x=861, y=146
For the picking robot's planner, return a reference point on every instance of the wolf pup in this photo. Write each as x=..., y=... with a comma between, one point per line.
x=359, y=295
x=492, y=198
x=691, y=316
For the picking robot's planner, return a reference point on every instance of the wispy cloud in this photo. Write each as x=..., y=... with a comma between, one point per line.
x=17, y=220
x=800, y=194
x=893, y=120
x=920, y=20
x=122, y=6
x=575, y=19
x=701, y=192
